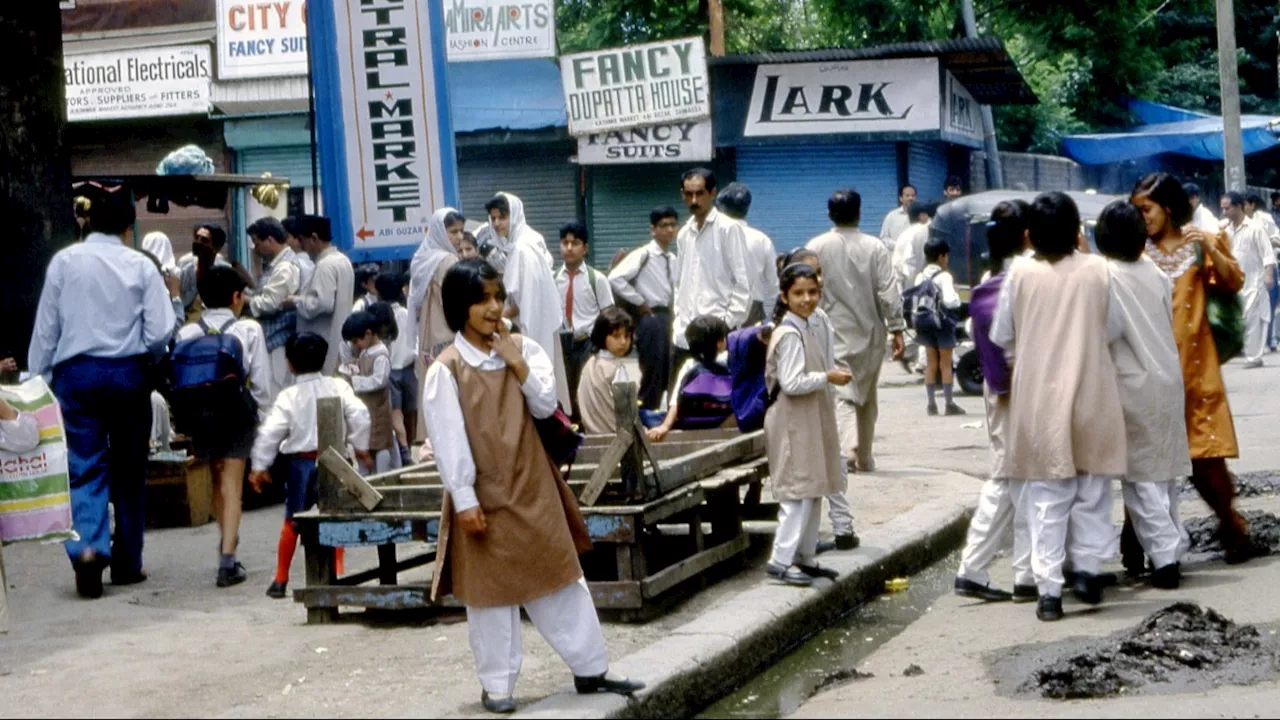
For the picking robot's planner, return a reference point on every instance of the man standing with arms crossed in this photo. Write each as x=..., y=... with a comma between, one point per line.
x=645, y=279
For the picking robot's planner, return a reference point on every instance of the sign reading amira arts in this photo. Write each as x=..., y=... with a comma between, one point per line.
x=865, y=96
x=618, y=88
x=687, y=141
x=150, y=82
x=382, y=110
x=497, y=29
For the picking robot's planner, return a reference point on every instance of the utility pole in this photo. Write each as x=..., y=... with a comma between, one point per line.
x=1229, y=87
x=995, y=172
x=715, y=16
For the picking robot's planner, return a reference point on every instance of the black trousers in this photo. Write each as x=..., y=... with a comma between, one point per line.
x=576, y=353
x=653, y=345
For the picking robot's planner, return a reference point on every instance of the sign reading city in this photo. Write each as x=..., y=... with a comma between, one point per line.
x=382, y=116
x=688, y=141
x=619, y=88
x=845, y=97
x=149, y=82
x=497, y=29
x=265, y=38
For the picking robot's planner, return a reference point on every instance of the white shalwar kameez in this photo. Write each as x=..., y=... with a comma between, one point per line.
x=1252, y=249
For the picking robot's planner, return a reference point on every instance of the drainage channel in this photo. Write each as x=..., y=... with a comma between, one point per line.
x=832, y=655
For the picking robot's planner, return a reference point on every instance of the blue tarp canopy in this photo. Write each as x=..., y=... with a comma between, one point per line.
x=506, y=95
x=1167, y=129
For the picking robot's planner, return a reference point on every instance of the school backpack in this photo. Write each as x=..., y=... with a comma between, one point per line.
x=924, y=306
x=750, y=395
x=705, y=399
x=208, y=389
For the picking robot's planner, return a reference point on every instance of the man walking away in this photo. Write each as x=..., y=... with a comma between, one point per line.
x=863, y=300
x=104, y=314
x=281, y=277
x=908, y=253
x=645, y=279
x=762, y=259
x=1250, y=247
x=326, y=302
x=899, y=218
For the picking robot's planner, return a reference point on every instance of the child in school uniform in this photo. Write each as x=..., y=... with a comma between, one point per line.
x=369, y=374
x=802, y=439
x=584, y=292
x=1151, y=391
x=290, y=430
x=495, y=554
x=1055, y=319
x=938, y=341
x=404, y=383
x=611, y=336
x=708, y=340
x=468, y=249
x=227, y=447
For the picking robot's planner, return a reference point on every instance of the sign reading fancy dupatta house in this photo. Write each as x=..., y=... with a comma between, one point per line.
x=138, y=83
x=382, y=116
x=662, y=82
x=845, y=97
x=497, y=29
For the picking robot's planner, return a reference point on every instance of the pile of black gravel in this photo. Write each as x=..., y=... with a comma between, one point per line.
x=1264, y=528
x=1181, y=645
x=1250, y=484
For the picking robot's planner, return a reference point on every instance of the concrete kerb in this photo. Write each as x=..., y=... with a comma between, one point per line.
x=736, y=638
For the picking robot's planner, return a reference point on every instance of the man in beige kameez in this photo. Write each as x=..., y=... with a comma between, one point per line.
x=862, y=298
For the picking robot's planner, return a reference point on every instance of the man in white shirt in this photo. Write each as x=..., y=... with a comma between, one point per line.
x=584, y=292
x=281, y=277
x=898, y=218
x=952, y=189
x=713, y=277
x=645, y=279
x=1251, y=248
x=306, y=267
x=908, y=253
x=1201, y=216
x=762, y=260
x=103, y=315
x=326, y=302
x=1255, y=211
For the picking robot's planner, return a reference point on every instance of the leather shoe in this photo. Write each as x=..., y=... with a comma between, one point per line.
x=1087, y=588
x=789, y=575
x=88, y=567
x=970, y=589
x=1049, y=609
x=826, y=546
x=1025, y=593
x=603, y=683
x=278, y=590
x=848, y=542
x=817, y=571
x=501, y=706
x=1167, y=577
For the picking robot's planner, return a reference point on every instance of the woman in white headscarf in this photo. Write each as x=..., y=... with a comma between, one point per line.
x=506, y=227
x=157, y=243
x=437, y=253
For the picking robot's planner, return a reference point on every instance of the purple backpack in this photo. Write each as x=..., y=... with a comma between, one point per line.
x=705, y=399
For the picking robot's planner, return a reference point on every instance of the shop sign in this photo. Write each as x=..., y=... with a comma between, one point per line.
x=688, y=141
x=149, y=82
x=619, y=88
x=500, y=29
x=961, y=122
x=382, y=98
x=261, y=38
x=845, y=97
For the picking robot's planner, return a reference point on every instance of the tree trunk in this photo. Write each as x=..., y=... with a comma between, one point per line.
x=35, y=173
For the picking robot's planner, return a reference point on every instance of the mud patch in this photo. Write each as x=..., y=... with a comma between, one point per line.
x=1250, y=484
x=1182, y=648
x=1264, y=528
x=840, y=677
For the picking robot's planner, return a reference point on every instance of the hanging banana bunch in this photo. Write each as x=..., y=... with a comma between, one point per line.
x=268, y=194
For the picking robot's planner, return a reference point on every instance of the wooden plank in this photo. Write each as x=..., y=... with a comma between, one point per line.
x=702, y=463
x=330, y=433
x=392, y=475
x=381, y=597
x=626, y=565
x=320, y=573
x=673, y=504
x=691, y=567
x=604, y=469
x=620, y=595
x=331, y=459
x=355, y=532
x=408, y=563
x=581, y=471
x=665, y=450
x=610, y=528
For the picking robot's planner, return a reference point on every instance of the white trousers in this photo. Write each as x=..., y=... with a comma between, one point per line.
x=796, y=540
x=1072, y=518
x=841, y=513
x=281, y=378
x=1153, y=508
x=857, y=426
x=566, y=619
x=998, y=511
x=1255, y=336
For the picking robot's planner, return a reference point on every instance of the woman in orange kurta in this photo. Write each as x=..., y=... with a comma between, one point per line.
x=1198, y=264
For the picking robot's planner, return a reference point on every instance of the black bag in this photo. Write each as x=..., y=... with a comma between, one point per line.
x=559, y=438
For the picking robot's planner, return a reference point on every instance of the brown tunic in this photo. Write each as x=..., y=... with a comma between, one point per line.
x=379, y=404
x=1211, y=432
x=433, y=334
x=534, y=529
x=801, y=437
x=595, y=395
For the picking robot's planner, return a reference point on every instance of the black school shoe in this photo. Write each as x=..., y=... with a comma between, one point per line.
x=817, y=571
x=1087, y=588
x=970, y=589
x=1025, y=593
x=848, y=542
x=1167, y=577
x=825, y=546
x=1049, y=609
x=233, y=575
x=499, y=706
x=604, y=683
x=789, y=575
x=278, y=590
x=88, y=568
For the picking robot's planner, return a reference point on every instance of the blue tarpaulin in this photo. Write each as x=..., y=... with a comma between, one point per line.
x=506, y=95
x=1167, y=129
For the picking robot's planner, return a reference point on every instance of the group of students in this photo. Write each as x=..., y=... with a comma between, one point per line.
x=1099, y=368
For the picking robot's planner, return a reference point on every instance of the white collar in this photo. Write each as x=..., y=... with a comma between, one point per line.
x=307, y=378
x=97, y=237
x=472, y=354
x=712, y=217
x=796, y=321
x=215, y=317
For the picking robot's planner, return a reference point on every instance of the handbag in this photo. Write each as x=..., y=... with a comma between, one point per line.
x=559, y=438
x=1226, y=318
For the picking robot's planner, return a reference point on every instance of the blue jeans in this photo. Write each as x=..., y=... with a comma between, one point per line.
x=1274, y=294
x=106, y=407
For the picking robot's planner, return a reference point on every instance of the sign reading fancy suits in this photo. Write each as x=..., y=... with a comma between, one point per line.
x=138, y=83
x=845, y=97
x=662, y=82
x=382, y=115
x=497, y=29
x=261, y=39
x=688, y=141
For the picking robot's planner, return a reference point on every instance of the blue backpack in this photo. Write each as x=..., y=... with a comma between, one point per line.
x=208, y=390
x=705, y=399
x=924, y=306
x=750, y=396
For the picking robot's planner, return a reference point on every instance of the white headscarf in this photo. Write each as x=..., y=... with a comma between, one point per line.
x=518, y=230
x=157, y=243
x=434, y=249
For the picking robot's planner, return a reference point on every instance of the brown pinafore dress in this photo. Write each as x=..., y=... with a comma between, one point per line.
x=534, y=529
x=379, y=404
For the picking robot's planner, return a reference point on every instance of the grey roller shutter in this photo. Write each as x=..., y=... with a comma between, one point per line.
x=540, y=175
x=291, y=161
x=619, y=205
x=927, y=168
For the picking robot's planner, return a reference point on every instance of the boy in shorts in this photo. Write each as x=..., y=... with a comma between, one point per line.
x=939, y=338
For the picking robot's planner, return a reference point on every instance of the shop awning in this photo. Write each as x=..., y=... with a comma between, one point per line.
x=506, y=95
x=1168, y=129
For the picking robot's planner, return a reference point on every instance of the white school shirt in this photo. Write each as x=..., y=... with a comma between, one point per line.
x=20, y=434
x=306, y=269
x=403, y=347
x=447, y=428
x=378, y=378
x=290, y=425
x=647, y=276
x=256, y=359
x=762, y=268
x=713, y=278
x=908, y=252
x=100, y=299
x=894, y=223
x=588, y=298
x=946, y=284
x=792, y=377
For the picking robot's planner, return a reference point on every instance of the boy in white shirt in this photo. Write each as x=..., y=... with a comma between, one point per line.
x=934, y=299
x=225, y=442
x=290, y=430
x=370, y=376
x=584, y=292
x=404, y=383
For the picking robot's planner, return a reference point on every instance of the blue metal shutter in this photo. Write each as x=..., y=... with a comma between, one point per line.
x=291, y=161
x=540, y=175
x=620, y=202
x=790, y=186
x=927, y=168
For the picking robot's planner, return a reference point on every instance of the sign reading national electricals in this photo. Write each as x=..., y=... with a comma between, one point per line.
x=844, y=97
x=382, y=110
x=138, y=83
x=662, y=82
x=261, y=39
x=688, y=141
x=497, y=29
